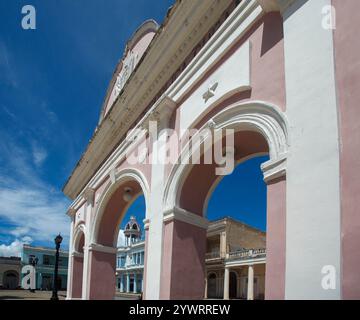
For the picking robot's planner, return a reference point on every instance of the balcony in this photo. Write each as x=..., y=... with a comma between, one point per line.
x=212, y=255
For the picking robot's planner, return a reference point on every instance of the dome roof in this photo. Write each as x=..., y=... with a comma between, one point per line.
x=132, y=228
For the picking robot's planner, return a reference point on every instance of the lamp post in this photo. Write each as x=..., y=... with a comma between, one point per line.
x=58, y=240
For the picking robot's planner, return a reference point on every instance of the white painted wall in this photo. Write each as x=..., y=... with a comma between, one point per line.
x=232, y=76
x=313, y=201
x=155, y=234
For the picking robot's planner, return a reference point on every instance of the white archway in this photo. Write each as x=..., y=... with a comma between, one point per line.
x=264, y=118
x=120, y=178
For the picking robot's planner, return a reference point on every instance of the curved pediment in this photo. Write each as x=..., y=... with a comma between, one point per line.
x=134, y=50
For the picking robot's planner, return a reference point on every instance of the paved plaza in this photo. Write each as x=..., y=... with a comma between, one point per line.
x=27, y=295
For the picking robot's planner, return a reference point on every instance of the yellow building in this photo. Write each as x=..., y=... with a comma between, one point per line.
x=235, y=261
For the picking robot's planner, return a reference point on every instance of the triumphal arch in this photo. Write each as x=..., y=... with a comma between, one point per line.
x=227, y=80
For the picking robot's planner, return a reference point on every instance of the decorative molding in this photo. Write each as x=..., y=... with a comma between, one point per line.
x=138, y=94
x=164, y=110
x=120, y=177
x=238, y=23
x=101, y=248
x=71, y=212
x=112, y=175
x=210, y=92
x=258, y=116
x=76, y=254
x=274, y=169
x=89, y=194
x=146, y=224
x=185, y=216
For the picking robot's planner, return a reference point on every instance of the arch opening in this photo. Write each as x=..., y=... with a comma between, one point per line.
x=11, y=280
x=111, y=221
x=260, y=131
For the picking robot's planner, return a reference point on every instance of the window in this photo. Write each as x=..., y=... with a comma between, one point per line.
x=46, y=260
x=31, y=259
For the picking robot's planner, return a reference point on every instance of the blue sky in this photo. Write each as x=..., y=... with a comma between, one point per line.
x=52, y=84
x=241, y=195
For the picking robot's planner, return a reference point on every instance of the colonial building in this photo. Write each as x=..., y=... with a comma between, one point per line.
x=283, y=76
x=235, y=261
x=44, y=261
x=130, y=260
x=10, y=273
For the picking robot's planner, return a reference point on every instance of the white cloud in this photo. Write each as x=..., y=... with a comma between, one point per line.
x=121, y=238
x=19, y=231
x=33, y=206
x=39, y=154
x=13, y=249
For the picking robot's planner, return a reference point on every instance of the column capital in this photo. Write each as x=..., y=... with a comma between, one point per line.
x=76, y=254
x=89, y=194
x=71, y=212
x=274, y=169
x=163, y=111
x=146, y=224
x=275, y=5
x=101, y=248
x=183, y=215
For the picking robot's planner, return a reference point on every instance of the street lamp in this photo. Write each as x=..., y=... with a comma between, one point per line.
x=57, y=240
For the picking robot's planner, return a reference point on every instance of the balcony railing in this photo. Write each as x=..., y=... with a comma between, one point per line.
x=212, y=255
x=247, y=254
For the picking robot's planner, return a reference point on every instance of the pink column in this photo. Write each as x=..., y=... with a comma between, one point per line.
x=183, y=264
x=275, y=240
x=347, y=72
x=102, y=280
x=77, y=277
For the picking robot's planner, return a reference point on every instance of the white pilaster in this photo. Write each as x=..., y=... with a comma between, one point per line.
x=135, y=283
x=250, y=288
x=127, y=282
x=313, y=199
x=155, y=208
x=226, y=283
x=89, y=197
x=71, y=214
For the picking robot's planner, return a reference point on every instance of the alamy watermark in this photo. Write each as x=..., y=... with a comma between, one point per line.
x=28, y=21
x=192, y=146
x=329, y=17
x=328, y=281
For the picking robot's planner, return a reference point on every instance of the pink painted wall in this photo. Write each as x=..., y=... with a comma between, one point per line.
x=114, y=213
x=275, y=240
x=102, y=276
x=77, y=277
x=202, y=176
x=347, y=71
x=183, y=264
x=267, y=70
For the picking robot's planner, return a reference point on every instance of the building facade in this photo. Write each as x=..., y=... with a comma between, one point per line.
x=10, y=273
x=44, y=261
x=235, y=261
x=130, y=260
x=283, y=75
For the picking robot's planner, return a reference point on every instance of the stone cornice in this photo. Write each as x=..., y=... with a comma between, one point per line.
x=194, y=19
x=101, y=248
x=186, y=216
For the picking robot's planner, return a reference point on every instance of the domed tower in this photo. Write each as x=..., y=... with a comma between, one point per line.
x=132, y=231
